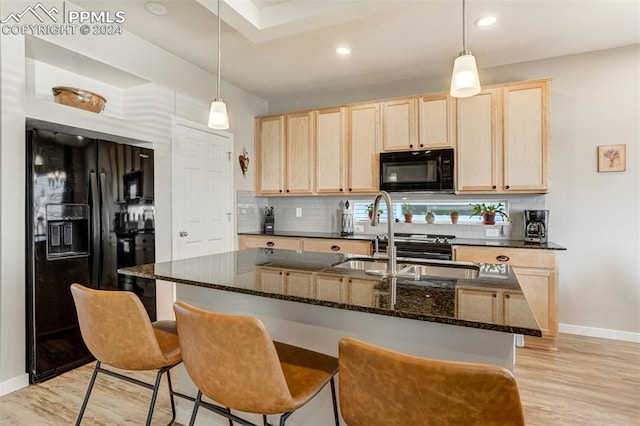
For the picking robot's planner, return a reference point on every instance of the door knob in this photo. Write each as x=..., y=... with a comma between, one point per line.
x=183, y=233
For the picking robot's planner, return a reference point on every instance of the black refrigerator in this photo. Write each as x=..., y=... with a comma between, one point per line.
x=89, y=211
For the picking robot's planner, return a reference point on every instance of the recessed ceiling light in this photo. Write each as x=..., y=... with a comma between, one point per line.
x=486, y=21
x=343, y=51
x=156, y=8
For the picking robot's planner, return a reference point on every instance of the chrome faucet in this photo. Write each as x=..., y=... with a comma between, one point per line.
x=391, y=243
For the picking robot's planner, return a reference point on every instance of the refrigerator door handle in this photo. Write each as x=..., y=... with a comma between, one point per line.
x=95, y=229
x=104, y=220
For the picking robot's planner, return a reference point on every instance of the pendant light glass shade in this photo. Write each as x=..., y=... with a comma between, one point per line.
x=465, y=81
x=218, y=118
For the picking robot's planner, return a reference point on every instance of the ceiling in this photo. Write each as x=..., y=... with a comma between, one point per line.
x=285, y=48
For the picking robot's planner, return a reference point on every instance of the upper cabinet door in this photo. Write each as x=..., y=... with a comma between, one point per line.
x=478, y=146
x=436, y=121
x=270, y=155
x=526, y=135
x=299, y=153
x=331, y=163
x=399, y=126
x=364, y=148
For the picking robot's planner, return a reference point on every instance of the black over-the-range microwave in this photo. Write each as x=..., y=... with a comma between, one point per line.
x=425, y=171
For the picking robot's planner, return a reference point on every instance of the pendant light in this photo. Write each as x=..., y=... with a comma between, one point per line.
x=218, y=118
x=464, y=81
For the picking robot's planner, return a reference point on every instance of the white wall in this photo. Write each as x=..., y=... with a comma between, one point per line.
x=174, y=88
x=595, y=100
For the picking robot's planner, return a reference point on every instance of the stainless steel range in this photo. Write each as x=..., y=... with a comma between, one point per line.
x=423, y=246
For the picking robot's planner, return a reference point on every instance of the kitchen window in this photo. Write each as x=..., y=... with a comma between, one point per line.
x=440, y=210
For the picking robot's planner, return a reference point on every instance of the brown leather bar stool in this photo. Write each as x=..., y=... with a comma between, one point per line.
x=233, y=361
x=379, y=387
x=117, y=330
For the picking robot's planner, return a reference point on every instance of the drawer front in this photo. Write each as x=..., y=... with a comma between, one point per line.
x=260, y=241
x=337, y=246
x=514, y=257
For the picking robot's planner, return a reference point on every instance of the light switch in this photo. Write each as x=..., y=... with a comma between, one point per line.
x=298, y=211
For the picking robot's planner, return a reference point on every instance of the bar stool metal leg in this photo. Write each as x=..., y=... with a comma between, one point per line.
x=195, y=408
x=154, y=396
x=333, y=399
x=173, y=404
x=89, y=389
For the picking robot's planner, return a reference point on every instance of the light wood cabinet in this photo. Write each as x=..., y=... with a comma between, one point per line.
x=364, y=148
x=292, y=282
x=299, y=159
x=526, y=137
x=362, y=292
x=269, y=241
x=502, y=139
x=331, y=288
x=337, y=246
x=300, y=284
x=326, y=245
x=537, y=273
x=331, y=151
x=436, y=121
x=270, y=280
x=285, y=154
x=270, y=155
x=477, y=304
x=399, y=125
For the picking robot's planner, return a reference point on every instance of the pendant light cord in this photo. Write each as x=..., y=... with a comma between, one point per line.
x=464, y=27
x=219, y=52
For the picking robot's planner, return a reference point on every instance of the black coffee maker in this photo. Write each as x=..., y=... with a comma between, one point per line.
x=536, y=226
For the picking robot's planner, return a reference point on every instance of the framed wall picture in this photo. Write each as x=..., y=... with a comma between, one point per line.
x=612, y=158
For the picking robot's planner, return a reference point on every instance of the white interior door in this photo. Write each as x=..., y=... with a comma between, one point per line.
x=202, y=191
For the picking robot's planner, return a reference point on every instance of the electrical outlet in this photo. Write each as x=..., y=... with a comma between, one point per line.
x=358, y=228
x=492, y=232
x=298, y=211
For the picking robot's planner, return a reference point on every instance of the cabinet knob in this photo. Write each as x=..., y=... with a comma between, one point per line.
x=502, y=258
x=340, y=189
x=280, y=273
x=495, y=294
x=410, y=146
x=287, y=190
x=350, y=189
x=421, y=145
x=270, y=244
x=281, y=190
x=493, y=187
x=507, y=296
x=507, y=187
x=335, y=248
x=183, y=234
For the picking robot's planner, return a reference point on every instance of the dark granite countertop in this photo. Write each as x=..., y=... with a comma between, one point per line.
x=480, y=242
x=432, y=299
x=327, y=235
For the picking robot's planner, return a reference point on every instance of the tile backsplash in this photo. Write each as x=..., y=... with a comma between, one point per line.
x=323, y=214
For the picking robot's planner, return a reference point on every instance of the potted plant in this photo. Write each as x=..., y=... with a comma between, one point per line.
x=429, y=217
x=489, y=212
x=454, y=216
x=407, y=211
x=370, y=210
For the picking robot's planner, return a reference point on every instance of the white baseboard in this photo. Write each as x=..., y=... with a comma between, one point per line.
x=604, y=333
x=14, y=384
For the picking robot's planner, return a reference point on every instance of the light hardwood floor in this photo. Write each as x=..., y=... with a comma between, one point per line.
x=588, y=381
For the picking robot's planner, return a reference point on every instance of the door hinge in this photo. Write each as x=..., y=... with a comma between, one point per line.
x=229, y=155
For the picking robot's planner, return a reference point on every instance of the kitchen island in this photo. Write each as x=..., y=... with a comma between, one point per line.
x=305, y=300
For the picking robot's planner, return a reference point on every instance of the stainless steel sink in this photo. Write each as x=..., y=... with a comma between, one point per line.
x=362, y=265
x=466, y=272
x=443, y=269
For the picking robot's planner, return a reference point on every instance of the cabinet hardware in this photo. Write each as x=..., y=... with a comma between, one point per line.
x=270, y=244
x=287, y=190
x=183, y=234
x=507, y=296
x=502, y=258
x=280, y=273
x=350, y=189
x=281, y=190
x=340, y=189
x=335, y=248
x=507, y=187
x=493, y=187
x=495, y=294
x=410, y=146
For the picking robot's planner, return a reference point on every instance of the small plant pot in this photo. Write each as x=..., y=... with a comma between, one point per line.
x=454, y=217
x=488, y=218
x=408, y=217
